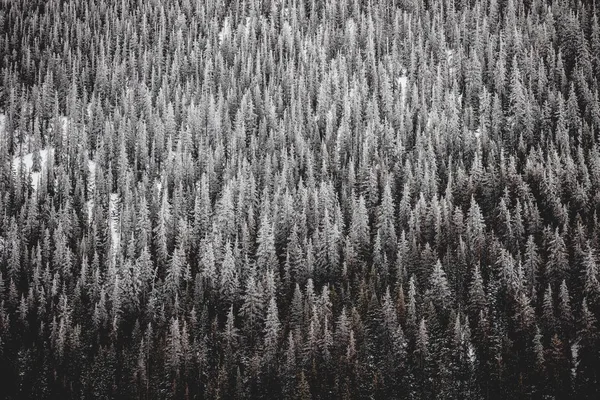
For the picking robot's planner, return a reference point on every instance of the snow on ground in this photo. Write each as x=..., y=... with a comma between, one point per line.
x=225, y=31
x=113, y=222
x=36, y=176
x=27, y=163
x=91, y=176
x=403, y=82
x=91, y=188
x=27, y=159
x=64, y=124
x=450, y=61
x=90, y=209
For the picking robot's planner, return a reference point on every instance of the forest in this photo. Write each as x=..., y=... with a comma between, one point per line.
x=299, y=199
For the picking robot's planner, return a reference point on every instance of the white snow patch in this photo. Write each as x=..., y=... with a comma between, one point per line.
x=27, y=162
x=225, y=31
x=90, y=209
x=64, y=124
x=113, y=222
x=91, y=188
x=450, y=61
x=403, y=82
x=91, y=176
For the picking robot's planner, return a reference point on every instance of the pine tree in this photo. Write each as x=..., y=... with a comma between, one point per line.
x=290, y=368
x=272, y=332
x=386, y=222
x=252, y=307
x=229, y=279
x=531, y=264
x=230, y=338
x=439, y=292
x=266, y=258
x=359, y=232
x=564, y=310
x=174, y=349
x=591, y=284
x=586, y=382
x=411, y=309
x=477, y=296
x=224, y=215
x=422, y=356
x=303, y=388
x=538, y=382
x=475, y=229
x=161, y=230
x=557, y=264
x=175, y=272
x=548, y=317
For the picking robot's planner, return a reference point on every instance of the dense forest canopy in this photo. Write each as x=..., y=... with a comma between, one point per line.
x=300, y=199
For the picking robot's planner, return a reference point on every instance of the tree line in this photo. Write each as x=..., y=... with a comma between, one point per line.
x=297, y=199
